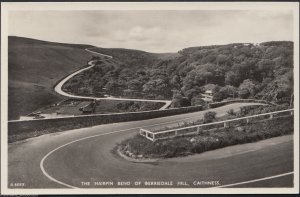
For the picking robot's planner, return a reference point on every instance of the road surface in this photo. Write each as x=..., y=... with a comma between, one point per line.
x=67, y=159
x=58, y=87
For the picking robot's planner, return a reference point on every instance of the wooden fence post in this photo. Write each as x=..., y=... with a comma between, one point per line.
x=226, y=124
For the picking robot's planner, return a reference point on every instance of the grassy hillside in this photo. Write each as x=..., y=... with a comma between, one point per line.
x=34, y=67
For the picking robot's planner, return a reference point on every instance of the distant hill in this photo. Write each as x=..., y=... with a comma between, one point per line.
x=135, y=58
x=34, y=67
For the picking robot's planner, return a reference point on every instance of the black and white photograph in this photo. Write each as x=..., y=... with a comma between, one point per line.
x=173, y=97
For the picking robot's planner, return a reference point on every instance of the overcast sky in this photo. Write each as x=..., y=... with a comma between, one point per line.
x=153, y=31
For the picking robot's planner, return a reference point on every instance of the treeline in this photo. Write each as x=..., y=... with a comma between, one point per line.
x=261, y=71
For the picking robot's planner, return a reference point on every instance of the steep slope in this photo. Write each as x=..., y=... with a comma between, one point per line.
x=246, y=70
x=34, y=67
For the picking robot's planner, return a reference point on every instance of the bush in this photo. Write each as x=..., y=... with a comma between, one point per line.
x=180, y=101
x=245, y=110
x=209, y=116
x=231, y=112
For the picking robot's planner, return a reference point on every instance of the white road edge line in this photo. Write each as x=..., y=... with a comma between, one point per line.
x=257, y=180
x=51, y=152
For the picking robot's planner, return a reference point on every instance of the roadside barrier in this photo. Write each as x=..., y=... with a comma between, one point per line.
x=196, y=129
x=16, y=127
x=219, y=104
x=22, y=129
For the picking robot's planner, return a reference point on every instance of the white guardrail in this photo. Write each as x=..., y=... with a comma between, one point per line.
x=196, y=129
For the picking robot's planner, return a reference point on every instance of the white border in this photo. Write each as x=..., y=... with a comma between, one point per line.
x=9, y=6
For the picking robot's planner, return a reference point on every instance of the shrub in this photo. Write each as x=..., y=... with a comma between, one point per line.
x=209, y=116
x=231, y=112
x=180, y=101
x=245, y=110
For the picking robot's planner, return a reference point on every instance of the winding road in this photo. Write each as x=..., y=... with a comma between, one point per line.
x=83, y=158
x=58, y=87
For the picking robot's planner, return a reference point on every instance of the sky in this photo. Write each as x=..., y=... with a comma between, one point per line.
x=153, y=31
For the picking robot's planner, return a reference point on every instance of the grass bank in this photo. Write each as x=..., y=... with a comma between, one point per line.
x=211, y=116
x=140, y=147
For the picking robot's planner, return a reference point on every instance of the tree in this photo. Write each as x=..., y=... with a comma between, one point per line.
x=96, y=88
x=290, y=84
x=175, y=81
x=197, y=100
x=229, y=91
x=157, y=87
x=221, y=59
x=247, y=88
x=232, y=78
x=244, y=93
x=285, y=90
x=207, y=76
x=135, y=84
x=112, y=86
x=265, y=68
x=192, y=92
x=218, y=96
x=180, y=101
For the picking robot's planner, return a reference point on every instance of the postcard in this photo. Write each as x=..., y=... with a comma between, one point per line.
x=149, y=98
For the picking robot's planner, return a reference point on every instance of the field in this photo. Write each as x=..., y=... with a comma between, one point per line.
x=34, y=67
